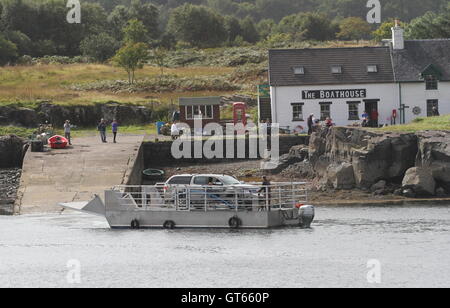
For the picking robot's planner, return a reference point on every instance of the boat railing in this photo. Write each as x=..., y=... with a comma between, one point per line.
x=251, y=196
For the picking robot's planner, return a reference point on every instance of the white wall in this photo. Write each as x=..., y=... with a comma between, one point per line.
x=415, y=95
x=282, y=97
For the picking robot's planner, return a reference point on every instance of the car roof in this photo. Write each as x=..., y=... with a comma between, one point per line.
x=212, y=175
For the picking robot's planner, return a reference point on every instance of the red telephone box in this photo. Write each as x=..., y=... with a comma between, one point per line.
x=240, y=113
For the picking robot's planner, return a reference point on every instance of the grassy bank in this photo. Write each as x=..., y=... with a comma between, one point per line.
x=421, y=124
x=149, y=129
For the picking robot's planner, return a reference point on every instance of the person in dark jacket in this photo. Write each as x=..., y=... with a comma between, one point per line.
x=102, y=129
x=265, y=191
x=310, y=124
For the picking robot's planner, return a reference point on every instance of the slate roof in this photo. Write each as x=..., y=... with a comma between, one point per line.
x=190, y=101
x=410, y=62
x=317, y=64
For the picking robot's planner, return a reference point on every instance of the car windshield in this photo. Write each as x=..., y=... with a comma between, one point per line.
x=229, y=180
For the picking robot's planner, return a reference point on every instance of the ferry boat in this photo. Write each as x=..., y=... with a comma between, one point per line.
x=249, y=206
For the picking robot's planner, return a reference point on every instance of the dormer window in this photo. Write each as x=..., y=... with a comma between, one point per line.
x=372, y=68
x=336, y=69
x=431, y=82
x=299, y=70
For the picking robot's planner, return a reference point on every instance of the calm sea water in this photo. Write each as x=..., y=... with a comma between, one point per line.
x=412, y=245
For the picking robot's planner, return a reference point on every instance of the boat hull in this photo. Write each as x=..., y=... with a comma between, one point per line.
x=192, y=219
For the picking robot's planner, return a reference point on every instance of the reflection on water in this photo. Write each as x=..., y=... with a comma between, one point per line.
x=412, y=244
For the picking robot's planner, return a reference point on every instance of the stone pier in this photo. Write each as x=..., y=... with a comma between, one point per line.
x=76, y=173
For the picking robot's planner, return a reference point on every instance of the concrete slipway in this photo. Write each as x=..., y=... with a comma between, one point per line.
x=77, y=173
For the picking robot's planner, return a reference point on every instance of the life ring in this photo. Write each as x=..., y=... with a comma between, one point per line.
x=135, y=224
x=235, y=222
x=169, y=224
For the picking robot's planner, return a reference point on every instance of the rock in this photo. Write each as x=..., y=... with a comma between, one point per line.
x=302, y=170
x=87, y=115
x=434, y=153
x=296, y=154
x=440, y=192
x=408, y=193
x=11, y=151
x=374, y=156
x=420, y=180
x=341, y=176
x=398, y=192
x=381, y=185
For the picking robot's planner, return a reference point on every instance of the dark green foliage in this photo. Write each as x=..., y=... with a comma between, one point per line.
x=39, y=27
x=197, y=25
x=99, y=47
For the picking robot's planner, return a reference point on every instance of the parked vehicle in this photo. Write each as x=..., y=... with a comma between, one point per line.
x=216, y=188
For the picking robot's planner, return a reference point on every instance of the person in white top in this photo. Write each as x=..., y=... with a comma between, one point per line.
x=174, y=131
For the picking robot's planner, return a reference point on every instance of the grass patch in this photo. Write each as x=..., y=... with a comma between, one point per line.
x=27, y=85
x=18, y=131
x=421, y=124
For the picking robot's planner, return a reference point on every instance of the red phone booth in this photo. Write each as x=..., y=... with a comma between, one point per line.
x=240, y=113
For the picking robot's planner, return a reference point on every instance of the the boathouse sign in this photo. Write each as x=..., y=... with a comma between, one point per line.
x=329, y=94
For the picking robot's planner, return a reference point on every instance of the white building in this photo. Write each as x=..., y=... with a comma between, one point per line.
x=394, y=84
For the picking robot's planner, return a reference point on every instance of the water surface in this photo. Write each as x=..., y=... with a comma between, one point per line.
x=412, y=245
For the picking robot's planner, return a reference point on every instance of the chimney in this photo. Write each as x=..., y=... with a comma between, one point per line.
x=398, y=40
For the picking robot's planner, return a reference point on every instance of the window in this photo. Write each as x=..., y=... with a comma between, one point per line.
x=196, y=112
x=432, y=107
x=431, y=82
x=208, y=112
x=325, y=111
x=372, y=68
x=297, y=111
x=299, y=70
x=336, y=69
x=353, y=111
x=180, y=180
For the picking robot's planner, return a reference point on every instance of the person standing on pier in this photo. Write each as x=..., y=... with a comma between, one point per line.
x=67, y=128
x=102, y=129
x=115, y=129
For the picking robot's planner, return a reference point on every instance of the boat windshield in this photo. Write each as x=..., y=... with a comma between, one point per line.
x=229, y=180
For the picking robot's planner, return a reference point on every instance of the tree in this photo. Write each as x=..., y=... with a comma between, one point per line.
x=249, y=32
x=308, y=26
x=148, y=14
x=354, y=28
x=159, y=57
x=100, y=47
x=8, y=51
x=131, y=57
x=430, y=26
x=135, y=32
x=385, y=30
x=232, y=27
x=266, y=27
x=197, y=25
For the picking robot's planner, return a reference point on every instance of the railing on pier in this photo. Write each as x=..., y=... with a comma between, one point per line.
x=251, y=196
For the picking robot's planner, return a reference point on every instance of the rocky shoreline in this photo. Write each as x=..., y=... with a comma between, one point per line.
x=396, y=165
x=9, y=184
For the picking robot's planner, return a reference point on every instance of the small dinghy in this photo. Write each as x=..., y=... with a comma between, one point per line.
x=58, y=142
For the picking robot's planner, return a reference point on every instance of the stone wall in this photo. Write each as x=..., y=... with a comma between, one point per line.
x=158, y=154
x=81, y=115
x=12, y=151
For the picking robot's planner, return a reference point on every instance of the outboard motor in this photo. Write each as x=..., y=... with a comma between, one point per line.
x=306, y=215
